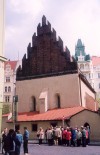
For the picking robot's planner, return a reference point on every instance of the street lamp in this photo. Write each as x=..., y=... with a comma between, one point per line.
x=15, y=109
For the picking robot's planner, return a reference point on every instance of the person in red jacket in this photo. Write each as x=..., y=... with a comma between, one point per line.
x=68, y=136
x=64, y=134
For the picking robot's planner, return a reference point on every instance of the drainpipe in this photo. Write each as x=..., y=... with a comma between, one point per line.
x=80, y=90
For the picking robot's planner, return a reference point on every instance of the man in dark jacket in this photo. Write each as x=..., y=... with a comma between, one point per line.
x=4, y=135
x=9, y=145
x=83, y=131
x=25, y=140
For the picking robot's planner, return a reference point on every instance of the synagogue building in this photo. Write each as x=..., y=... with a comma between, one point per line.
x=51, y=88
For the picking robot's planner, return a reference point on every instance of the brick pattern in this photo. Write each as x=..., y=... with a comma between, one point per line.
x=46, y=55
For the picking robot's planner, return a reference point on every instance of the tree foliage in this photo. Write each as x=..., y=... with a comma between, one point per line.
x=6, y=108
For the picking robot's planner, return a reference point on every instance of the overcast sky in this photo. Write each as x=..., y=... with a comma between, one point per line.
x=72, y=19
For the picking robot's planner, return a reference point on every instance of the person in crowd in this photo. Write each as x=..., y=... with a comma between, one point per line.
x=87, y=135
x=4, y=135
x=9, y=144
x=58, y=133
x=64, y=134
x=68, y=136
x=78, y=137
x=50, y=136
x=55, y=138
x=46, y=135
x=25, y=140
x=73, y=136
x=88, y=139
x=83, y=131
x=18, y=142
x=40, y=135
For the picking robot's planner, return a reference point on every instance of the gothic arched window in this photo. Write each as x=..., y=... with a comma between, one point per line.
x=9, y=89
x=58, y=101
x=33, y=104
x=5, y=89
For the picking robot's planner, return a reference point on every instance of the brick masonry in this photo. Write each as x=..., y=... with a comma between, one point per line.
x=46, y=54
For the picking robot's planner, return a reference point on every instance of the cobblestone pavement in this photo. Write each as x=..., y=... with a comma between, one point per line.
x=35, y=149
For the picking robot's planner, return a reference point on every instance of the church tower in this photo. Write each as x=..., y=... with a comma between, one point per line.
x=80, y=54
x=80, y=51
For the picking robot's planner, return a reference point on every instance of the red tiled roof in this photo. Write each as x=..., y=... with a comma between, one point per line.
x=95, y=60
x=11, y=63
x=55, y=114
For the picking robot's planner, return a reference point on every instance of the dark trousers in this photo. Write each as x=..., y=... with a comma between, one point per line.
x=78, y=142
x=25, y=146
x=2, y=147
x=64, y=141
x=40, y=141
x=87, y=141
x=6, y=153
x=68, y=142
x=50, y=142
x=11, y=153
x=59, y=141
x=17, y=149
x=84, y=141
x=73, y=142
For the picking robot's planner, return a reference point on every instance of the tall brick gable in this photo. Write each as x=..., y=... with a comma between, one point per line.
x=45, y=56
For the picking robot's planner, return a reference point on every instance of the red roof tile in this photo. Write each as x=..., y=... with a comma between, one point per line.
x=95, y=60
x=12, y=64
x=55, y=114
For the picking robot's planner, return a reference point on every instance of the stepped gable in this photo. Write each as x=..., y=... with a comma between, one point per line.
x=45, y=56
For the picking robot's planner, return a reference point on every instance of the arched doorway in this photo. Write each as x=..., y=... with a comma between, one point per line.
x=87, y=125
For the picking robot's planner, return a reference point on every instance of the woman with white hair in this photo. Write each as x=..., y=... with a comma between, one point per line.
x=40, y=135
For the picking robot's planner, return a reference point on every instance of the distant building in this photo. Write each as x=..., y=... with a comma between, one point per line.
x=96, y=74
x=51, y=88
x=90, y=67
x=10, y=69
x=2, y=59
x=84, y=61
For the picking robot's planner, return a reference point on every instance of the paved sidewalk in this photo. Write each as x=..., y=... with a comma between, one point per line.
x=92, y=143
x=45, y=146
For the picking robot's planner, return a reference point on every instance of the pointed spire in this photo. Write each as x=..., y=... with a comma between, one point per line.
x=49, y=25
x=43, y=20
x=34, y=39
x=79, y=43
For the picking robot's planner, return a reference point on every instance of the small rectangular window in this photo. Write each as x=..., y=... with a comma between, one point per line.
x=34, y=127
x=7, y=98
x=7, y=79
x=54, y=124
